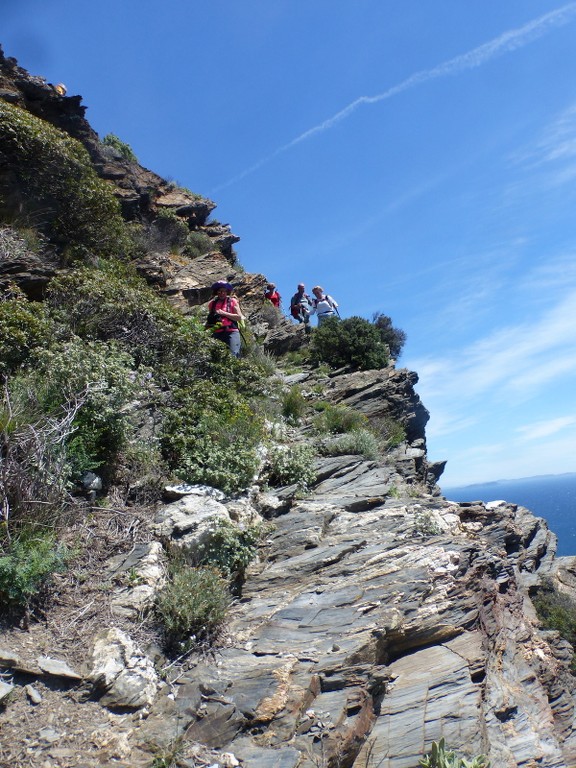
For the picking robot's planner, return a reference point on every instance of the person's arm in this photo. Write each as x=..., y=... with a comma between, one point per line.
x=235, y=314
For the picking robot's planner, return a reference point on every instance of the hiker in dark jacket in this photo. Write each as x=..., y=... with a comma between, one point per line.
x=301, y=306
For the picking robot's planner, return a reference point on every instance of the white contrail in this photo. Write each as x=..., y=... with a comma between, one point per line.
x=505, y=43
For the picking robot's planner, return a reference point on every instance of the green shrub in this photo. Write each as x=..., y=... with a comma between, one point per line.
x=26, y=563
x=392, y=431
x=168, y=232
x=441, y=757
x=212, y=436
x=425, y=525
x=231, y=548
x=100, y=378
x=360, y=442
x=394, y=338
x=24, y=326
x=338, y=419
x=292, y=465
x=198, y=244
x=293, y=405
x=192, y=606
x=353, y=343
x=59, y=188
x=110, y=140
x=557, y=611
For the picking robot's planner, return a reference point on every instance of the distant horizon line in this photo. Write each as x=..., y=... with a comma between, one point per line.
x=507, y=480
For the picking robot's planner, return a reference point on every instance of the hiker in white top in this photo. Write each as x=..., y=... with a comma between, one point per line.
x=323, y=306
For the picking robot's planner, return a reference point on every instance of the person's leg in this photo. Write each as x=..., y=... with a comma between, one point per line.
x=235, y=343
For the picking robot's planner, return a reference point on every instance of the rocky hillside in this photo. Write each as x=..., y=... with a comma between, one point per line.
x=369, y=616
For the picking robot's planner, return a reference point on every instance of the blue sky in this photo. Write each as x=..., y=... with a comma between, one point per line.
x=414, y=158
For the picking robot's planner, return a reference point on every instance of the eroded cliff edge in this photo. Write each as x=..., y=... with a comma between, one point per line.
x=378, y=617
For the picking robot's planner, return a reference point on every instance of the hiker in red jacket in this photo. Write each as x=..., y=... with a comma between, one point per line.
x=272, y=295
x=224, y=315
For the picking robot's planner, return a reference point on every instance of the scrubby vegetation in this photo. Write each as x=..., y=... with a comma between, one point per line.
x=557, y=611
x=125, y=150
x=442, y=757
x=356, y=343
x=53, y=185
x=192, y=606
x=352, y=343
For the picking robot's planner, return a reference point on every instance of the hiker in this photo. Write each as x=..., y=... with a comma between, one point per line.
x=301, y=306
x=323, y=306
x=272, y=295
x=224, y=316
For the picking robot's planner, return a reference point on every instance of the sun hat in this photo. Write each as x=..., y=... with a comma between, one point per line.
x=221, y=284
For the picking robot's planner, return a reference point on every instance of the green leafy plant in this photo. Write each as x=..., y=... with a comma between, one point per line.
x=362, y=442
x=293, y=405
x=59, y=188
x=197, y=244
x=214, y=440
x=338, y=419
x=110, y=140
x=557, y=611
x=394, y=338
x=192, y=606
x=168, y=232
x=24, y=326
x=425, y=525
x=442, y=757
x=393, y=432
x=353, y=343
x=26, y=563
x=101, y=378
x=292, y=465
x=231, y=548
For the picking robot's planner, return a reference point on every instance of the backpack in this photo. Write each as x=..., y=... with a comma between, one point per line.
x=214, y=318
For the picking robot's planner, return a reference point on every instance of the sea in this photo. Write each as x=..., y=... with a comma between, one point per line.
x=552, y=497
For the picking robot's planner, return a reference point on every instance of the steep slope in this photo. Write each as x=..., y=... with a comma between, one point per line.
x=377, y=618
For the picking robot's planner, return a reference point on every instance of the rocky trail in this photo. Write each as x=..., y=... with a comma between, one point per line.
x=378, y=618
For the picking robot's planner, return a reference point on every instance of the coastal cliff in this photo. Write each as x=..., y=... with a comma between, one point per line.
x=377, y=616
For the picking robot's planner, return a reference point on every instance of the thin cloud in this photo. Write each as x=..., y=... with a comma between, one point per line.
x=507, y=42
x=511, y=363
x=542, y=429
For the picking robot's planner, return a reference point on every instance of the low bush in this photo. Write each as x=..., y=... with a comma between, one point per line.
x=24, y=326
x=442, y=757
x=192, y=606
x=394, y=338
x=34, y=469
x=361, y=442
x=352, y=343
x=26, y=564
x=197, y=244
x=292, y=465
x=338, y=419
x=100, y=379
x=391, y=432
x=168, y=232
x=125, y=150
x=557, y=611
x=231, y=548
x=212, y=436
x=59, y=188
x=293, y=405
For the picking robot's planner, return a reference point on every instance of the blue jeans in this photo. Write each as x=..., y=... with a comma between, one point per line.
x=232, y=339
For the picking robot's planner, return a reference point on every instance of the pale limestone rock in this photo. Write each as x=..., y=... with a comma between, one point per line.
x=126, y=677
